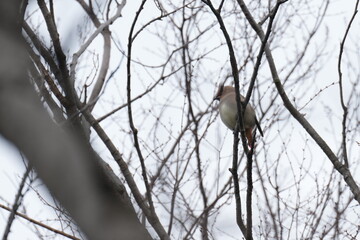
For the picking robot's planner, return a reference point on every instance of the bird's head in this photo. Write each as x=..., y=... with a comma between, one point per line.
x=223, y=90
x=219, y=93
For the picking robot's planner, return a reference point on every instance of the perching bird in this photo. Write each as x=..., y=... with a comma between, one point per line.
x=228, y=111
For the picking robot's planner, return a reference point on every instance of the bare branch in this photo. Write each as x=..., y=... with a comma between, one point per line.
x=261, y=52
x=61, y=58
x=104, y=30
x=344, y=107
x=342, y=169
x=161, y=232
x=39, y=224
x=17, y=203
x=61, y=158
x=151, y=216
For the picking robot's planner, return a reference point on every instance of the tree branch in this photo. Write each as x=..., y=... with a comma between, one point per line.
x=131, y=121
x=38, y=223
x=239, y=126
x=62, y=158
x=58, y=50
x=17, y=203
x=342, y=169
x=272, y=15
x=344, y=107
x=151, y=216
x=104, y=30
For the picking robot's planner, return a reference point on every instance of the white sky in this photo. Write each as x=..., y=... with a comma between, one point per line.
x=11, y=166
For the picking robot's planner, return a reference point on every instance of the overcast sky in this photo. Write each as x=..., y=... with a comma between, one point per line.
x=11, y=163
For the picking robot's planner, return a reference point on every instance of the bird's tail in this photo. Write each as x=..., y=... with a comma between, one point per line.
x=258, y=126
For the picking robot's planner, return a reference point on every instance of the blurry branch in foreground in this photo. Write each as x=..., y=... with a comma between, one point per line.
x=63, y=160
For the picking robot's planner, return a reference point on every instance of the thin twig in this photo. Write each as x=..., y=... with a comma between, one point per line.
x=17, y=202
x=132, y=100
x=344, y=107
x=195, y=131
x=260, y=54
x=131, y=122
x=40, y=223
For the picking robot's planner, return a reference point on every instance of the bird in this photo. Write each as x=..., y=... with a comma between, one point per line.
x=228, y=112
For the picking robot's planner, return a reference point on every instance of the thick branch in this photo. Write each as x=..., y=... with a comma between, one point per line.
x=62, y=159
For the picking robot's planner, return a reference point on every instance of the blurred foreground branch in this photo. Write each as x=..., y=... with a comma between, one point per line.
x=64, y=161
